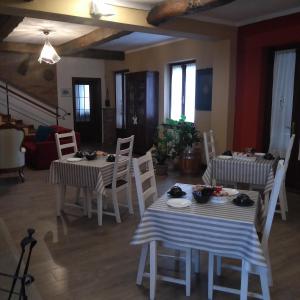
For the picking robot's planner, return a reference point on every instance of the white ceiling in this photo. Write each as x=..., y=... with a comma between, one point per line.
x=135, y=40
x=30, y=31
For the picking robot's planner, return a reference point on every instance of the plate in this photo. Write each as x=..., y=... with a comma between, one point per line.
x=224, y=156
x=259, y=154
x=231, y=192
x=74, y=159
x=179, y=202
x=218, y=200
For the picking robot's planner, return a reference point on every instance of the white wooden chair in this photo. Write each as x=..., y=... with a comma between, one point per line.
x=247, y=268
x=67, y=142
x=209, y=145
x=121, y=181
x=282, y=196
x=146, y=189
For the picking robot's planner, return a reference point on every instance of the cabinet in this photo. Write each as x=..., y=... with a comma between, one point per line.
x=142, y=108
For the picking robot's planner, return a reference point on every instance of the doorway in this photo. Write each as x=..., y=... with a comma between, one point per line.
x=87, y=105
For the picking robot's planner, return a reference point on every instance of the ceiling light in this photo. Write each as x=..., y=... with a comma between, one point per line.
x=48, y=53
x=101, y=8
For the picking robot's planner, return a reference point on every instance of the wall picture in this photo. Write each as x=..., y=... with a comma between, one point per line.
x=204, y=89
x=65, y=92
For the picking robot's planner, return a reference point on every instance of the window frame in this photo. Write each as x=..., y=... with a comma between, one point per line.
x=183, y=64
x=122, y=72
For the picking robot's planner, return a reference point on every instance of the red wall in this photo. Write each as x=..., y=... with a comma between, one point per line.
x=253, y=43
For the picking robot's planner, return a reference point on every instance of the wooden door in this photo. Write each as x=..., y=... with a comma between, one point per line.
x=293, y=173
x=87, y=109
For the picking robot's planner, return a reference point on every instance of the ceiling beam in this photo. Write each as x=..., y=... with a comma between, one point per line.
x=94, y=38
x=8, y=24
x=35, y=49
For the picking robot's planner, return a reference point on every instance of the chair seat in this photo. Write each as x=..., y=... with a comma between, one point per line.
x=119, y=183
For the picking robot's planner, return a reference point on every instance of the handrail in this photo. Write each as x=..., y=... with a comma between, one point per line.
x=55, y=113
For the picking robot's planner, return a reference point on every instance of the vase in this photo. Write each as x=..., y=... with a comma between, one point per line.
x=190, y=161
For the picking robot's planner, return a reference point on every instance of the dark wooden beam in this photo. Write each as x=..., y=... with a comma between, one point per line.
x=101, y=54
x=20, y=47
x=8, y=24
x=94, y=38
x=169, y=9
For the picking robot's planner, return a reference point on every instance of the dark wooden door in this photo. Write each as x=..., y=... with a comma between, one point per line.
x=293, y=173
x=87, y=109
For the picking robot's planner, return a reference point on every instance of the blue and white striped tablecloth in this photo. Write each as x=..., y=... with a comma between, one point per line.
x=93, y=174
x=219, y=228
x=258, y=172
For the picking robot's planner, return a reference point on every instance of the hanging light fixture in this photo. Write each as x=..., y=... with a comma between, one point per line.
x=100, y=8
x=48, y=53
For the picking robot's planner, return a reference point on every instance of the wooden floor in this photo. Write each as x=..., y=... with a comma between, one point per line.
x=76, y=259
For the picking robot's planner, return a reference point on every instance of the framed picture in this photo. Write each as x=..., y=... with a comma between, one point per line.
x=65, y=92
x=204, y=89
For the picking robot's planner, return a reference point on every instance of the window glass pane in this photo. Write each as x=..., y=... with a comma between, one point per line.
x=82, y=102
x=119, y=99
x=176, y=92
x=190, y=89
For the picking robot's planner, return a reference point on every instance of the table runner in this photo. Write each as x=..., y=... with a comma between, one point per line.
x=93, y=174
x=259, y=172
x=221, y=228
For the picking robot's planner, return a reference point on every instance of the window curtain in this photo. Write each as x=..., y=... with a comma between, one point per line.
x=282, y=101
x=176, y=92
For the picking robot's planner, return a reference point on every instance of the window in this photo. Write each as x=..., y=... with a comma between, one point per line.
x=120, y=99
x=83, y=107
x=183, y=87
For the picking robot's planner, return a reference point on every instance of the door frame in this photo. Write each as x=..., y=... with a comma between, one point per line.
x=98, y=106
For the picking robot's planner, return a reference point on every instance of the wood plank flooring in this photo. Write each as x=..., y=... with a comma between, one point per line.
x=76, y=259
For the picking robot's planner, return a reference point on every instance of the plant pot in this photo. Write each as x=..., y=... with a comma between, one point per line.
x=190, y=161
x=161, y=170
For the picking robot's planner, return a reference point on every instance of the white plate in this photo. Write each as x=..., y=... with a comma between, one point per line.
x=259, y=154
x=74, y=159
x=178, y=202
x=231, y=192
x=218, y=200
x=225, y=156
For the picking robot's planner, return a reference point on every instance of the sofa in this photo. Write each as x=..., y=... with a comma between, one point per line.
x=41, y=147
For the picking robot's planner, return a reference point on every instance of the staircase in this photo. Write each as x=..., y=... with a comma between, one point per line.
x=28, y=129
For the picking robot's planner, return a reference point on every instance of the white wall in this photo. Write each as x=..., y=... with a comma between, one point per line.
x=69, y=67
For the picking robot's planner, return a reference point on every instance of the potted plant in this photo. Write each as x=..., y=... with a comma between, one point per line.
x=187, y=137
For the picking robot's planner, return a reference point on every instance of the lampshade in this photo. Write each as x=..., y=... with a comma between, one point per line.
x=101, y=8
x=48, y=54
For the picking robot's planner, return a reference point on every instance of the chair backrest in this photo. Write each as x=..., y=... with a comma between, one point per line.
x=123, y=160
x=280, y=173
x=66, y=141
x=288, y=152
x=144, y=180
x=11, y=139
x=209, y=145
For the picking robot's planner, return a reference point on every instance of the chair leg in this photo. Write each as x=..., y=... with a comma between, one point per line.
x=78, y=190
x=282, y=205
x=116, y=206
x=129, y=197
x=21, y=175
x=99, y=209
x=142, y=264
x=84, y=204
x=89, y=204
x=197, y=257
x=219, y=265
x=263, y=274
x=244, y=282
x=188, y=267
x=210, y=276
x=284, y=197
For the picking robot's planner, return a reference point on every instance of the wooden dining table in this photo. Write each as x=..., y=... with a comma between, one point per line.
x=93, y=175
x=213, y=227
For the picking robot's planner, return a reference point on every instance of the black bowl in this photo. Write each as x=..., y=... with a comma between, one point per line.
x=200, y=197
x=110, y=158
x=227, y=153
x=269, y=156
x=243, y=200
x=79, y=154
x=91, y=155
x=176, y=191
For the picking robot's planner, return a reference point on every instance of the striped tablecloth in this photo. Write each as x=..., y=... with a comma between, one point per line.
x=219, y=228
x=93, y=174
x=258, y=172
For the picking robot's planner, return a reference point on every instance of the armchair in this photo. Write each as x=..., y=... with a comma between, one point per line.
x=12, y=155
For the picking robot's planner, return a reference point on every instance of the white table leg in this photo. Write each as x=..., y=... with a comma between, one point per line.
x=153, y=268
x=60, y=198
x=244, y=282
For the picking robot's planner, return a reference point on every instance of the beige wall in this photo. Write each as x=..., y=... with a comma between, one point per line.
x=215, y=54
